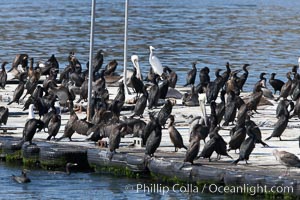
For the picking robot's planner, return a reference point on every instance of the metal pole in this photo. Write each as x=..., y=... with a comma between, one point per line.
x=91, y=62
x=125, y=47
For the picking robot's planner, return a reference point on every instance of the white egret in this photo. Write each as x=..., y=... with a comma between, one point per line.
x=155, y=63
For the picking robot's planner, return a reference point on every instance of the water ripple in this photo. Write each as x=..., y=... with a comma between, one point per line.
x=212, y=32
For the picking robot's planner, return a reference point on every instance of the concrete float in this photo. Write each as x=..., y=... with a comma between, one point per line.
x=132, y=163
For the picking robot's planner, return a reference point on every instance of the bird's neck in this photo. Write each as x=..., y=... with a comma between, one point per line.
x=171, y=123
x=68, y=171
x=138, y=72
x=31, y=114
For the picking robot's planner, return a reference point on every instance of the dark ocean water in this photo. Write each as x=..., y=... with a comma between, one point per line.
x=57, y=185
x=265, y=34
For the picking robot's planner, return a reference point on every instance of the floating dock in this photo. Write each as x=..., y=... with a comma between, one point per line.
x=263, y=169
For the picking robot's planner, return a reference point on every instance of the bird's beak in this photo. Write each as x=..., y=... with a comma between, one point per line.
x=136, y=63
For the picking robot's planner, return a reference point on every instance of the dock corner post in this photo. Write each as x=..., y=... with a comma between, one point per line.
x=125, y=47
x=89, y=108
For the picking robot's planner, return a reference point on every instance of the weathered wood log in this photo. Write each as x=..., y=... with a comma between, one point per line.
x=168, y=170
x=11, y=149
x=30, y=154
x=207, y=174
x=57, y=157
x=136, y=163
x=233, y=178
x=100, y=158
x=255, y=179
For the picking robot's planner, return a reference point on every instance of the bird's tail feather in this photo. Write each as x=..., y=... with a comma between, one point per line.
x=229, y=156
x=264, y=144
x=268, y=138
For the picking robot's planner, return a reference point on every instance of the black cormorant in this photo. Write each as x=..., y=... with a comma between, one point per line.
x=111, y=67
x=3, y=75
x=286, y=88
x=193, y=149
x=214, y=87
x=275, y=83
x=230, y=108
x=243, y=78
x=115, y=138
x=255, y=98
x=31, y=127
x=21, y=179
x=148, y=128
x=226, y=74
x=54, y=125
x=69, y=131
x=163, y=89
x=171, y=76
x=19, y=90
x=164, y=113
x=141, y=104
x=246, y=148
x=153, y=94
x=282, y=121
x=153, y=140
x=191, y=75
x=98, y=61
x=3, y=115
x=175, y=136
x=137, y=84
x=204, y=80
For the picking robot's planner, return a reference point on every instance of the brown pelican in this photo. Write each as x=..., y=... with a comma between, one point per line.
x=135, y=62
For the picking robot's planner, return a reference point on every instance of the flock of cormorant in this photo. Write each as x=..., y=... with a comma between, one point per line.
x=107, y=120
